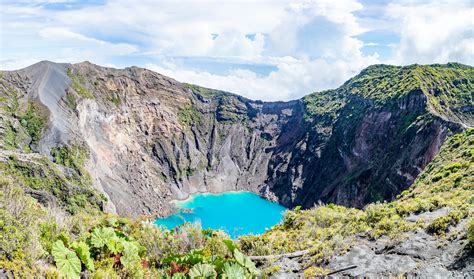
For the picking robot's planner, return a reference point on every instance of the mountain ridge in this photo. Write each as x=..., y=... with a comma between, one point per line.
x=365, y=71
x=79, y=142
x=194, y=139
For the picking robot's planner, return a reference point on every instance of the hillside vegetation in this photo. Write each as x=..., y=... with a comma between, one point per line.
x=379, y=129
x=447, y=182
x=55, y=240
x=53, y=220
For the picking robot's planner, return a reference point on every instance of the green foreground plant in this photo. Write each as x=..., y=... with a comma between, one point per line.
x=88, y=242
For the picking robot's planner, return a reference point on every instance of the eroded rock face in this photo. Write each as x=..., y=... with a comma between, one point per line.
x=413, y=254
x=416, y=254
x=152, y=139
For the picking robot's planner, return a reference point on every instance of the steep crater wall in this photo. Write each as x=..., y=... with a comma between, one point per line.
x=151, y=139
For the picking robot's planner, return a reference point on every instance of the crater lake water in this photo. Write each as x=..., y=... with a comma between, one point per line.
x=236, y=213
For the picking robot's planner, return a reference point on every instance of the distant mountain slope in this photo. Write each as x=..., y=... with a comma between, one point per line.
x=145, y=139
x=77, y=141
x=370, y=138
x=427, y=231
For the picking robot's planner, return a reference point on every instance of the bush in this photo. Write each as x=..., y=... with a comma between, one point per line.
x=78, y=85
x=198, y=265
x=189, y=116
x=440, y=226
x=19, y=215
x=34, y=121
x=391, y=226
x=18, y=269
x=470, y=231
x=256, y=245
x=315, y=272
x=214, y=244
x=49, y=233
x=378, y=211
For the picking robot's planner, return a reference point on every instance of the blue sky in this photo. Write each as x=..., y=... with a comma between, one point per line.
x=269, y=50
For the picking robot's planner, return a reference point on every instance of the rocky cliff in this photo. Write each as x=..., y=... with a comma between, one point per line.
x=141, y=139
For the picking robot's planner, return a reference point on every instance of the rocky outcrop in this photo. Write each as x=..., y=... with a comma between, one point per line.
x=412, y=254
x=369, y=157
x=416, y=255
x=151, y=139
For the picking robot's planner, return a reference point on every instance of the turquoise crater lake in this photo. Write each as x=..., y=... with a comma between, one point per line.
x=237, y=213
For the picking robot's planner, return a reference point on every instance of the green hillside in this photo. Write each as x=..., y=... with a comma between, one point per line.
x=53, y=222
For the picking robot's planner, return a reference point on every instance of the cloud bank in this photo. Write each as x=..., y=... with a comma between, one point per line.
x=269, y=50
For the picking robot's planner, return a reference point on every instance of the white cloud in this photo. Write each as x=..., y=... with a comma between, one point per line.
x=293, y=78
x=304, y=64
x=183, y=28
x=62, y=34
x=312, y=44
x=15, y=64
x=436, y=32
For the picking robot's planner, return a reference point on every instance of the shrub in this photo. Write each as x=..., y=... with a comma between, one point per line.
x=49, y=233
x=63, y=190
x=189, y=116
x=198, y=265
x=391, y=226
x=78, y=85
x=257, y=245
x=154, y=240
x=440, y=226
x=34, y=121
x=18, y=269
x=377, y=211
x=315, y=272
x=19, y=215
x=104, y=247
x=214, y=244
x=470, y=231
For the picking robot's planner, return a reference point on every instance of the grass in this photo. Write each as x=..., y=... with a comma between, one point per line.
x=78, y=85
x=440, y=226
x=325, y=230
x=10, y=136
x=448, y=88
x=448, y=180
x=19, y=235
x=70, y=156
x=402, y=100
x=108, y=246
x=122, y=247
x=330, y=229
x=231, y=110
x=470, y=231
x=451, y=82
x=73, y=192
x=323, y=104
x=203, y=91
x=73, y=157
x=9, y=98
x=78, y=82
x=71, y=100
x=14, y=136
x=34, y=121
x=189, y=116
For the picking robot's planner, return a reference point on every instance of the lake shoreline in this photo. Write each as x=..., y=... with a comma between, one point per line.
x=176, y=209
x=174, y=203
x=190, y=196
x=236, y=212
